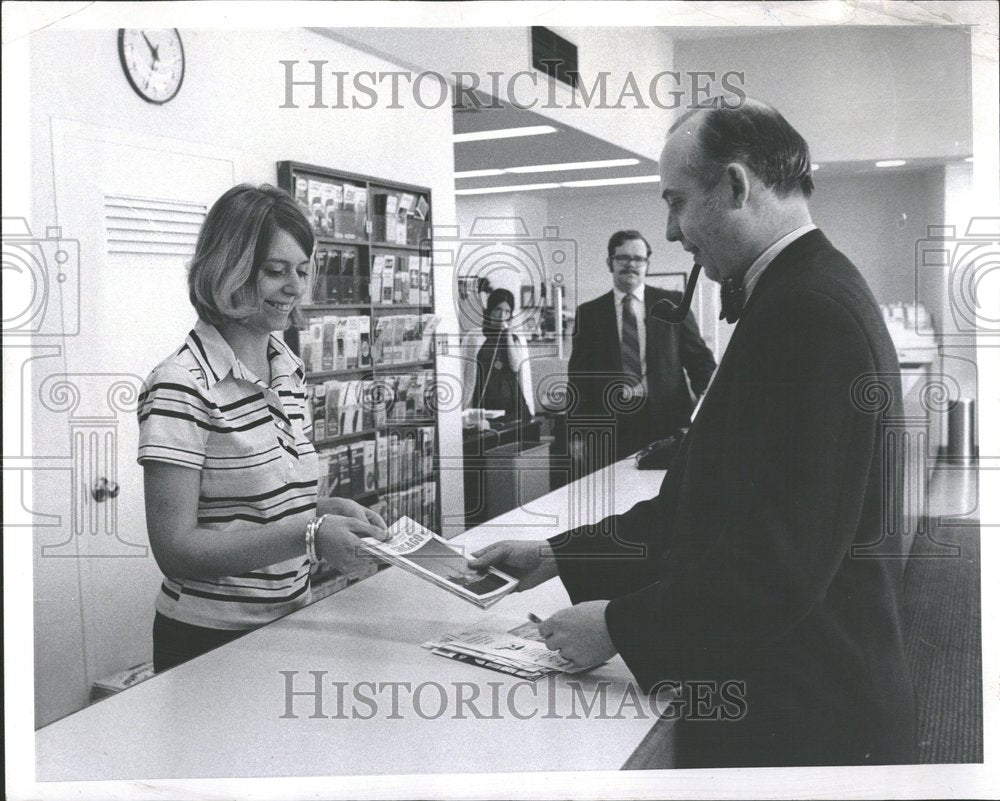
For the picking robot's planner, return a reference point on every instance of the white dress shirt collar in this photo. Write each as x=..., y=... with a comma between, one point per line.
x=770, y=253
x=639, y=293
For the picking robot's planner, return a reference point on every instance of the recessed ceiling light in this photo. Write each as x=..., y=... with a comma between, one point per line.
x=489, y=190
x=816, y=167
x=574, y=165
x=637, y=179
x=890, y=163
x=478, y=173
x=503, y=133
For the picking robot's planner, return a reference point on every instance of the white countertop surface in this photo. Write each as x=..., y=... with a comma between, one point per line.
x=223, y=714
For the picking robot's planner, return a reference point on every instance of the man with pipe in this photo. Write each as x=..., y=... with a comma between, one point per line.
x=762, y=557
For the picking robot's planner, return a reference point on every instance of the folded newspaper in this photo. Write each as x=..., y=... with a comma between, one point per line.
x=423, y=553
x=520, y=651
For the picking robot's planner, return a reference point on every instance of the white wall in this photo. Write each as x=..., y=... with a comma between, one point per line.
x=957, y=311
x=879, y=219
x=591, y=216
x=230, y=98
x=643, y=52
x=855, y=93
x=497, y=241
x=863, y=215
x=875, y=219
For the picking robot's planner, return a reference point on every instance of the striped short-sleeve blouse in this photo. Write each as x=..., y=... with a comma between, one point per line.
x=201, y=408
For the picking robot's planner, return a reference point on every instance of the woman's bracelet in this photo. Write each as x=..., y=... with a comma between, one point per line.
x=312, y=528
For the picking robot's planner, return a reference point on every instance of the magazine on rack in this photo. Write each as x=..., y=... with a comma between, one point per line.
x=423, y=553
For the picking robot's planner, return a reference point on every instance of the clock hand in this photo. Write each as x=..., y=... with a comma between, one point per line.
x=152, y=49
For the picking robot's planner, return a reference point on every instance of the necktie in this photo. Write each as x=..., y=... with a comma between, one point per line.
x=631, y=362
x=732, y=300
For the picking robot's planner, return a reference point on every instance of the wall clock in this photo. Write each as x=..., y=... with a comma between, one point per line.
x=153, y=61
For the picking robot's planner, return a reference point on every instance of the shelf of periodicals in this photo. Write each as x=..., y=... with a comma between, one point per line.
x=368, y=343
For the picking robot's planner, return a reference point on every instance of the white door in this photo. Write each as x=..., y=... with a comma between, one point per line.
x=134, y=205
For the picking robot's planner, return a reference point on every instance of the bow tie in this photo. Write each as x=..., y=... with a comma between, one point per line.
x=732, y=300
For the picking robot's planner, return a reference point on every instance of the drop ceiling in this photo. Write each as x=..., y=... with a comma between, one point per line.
x=569, y=145
x=566, y=145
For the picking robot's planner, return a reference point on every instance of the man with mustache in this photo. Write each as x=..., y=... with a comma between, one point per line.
x=627, y=368
x=767, y=557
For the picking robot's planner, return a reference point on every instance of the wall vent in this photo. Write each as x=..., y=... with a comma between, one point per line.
x=554, y=56
x=152, y=226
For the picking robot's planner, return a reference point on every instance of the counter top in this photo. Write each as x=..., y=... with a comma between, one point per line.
x=229, y=712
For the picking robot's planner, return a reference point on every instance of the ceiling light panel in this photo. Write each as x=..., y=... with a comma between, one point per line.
x=574, y=165
x=478, y=173
x=503, y=133
x=489, y=190
x=637, y=179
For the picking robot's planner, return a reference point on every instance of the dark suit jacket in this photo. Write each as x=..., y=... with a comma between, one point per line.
x=749, y=572
x=596, y=363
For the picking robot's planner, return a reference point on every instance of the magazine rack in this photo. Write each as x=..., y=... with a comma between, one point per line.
x=368, y=344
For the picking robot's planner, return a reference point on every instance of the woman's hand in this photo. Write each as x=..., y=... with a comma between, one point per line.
x=344, y=507
x=337, y=542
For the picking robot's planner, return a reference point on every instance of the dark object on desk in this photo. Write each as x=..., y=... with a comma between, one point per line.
x=963, y=444
x=658, y=455
x=504, y=466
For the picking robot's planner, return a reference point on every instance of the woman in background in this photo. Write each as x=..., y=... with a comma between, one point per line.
x=230, y=473
x=497, y=374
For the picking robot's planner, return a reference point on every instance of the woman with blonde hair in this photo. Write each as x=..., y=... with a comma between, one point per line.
x=230, y=472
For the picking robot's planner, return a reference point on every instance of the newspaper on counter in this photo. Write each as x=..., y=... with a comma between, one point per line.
x=423, y=553
x=520, y=651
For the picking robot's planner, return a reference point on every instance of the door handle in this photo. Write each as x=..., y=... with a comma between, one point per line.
x=104, y=489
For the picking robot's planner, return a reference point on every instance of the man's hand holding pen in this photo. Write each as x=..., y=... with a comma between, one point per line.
x=579, y=634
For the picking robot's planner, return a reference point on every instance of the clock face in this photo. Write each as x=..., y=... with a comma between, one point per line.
x=153, y=61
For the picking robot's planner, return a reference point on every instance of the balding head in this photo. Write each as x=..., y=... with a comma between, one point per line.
x=735, y=180
x=754, y=134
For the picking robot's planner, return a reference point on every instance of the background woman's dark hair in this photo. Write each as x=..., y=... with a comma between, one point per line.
x=496, y=297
